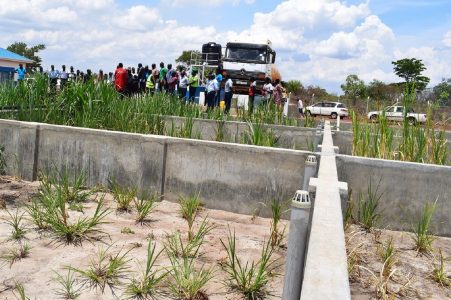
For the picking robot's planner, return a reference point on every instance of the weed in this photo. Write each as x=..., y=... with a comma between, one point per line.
x=127, y=230
x=174, y=244
x=147, y=286
x=144, y=207
x=124, y=197
x=381, y=282
x=21, y=290
x=15, y=254
x=67, y=285
x=422, y=236
x=277, y=233
x=186, y=282
x=249, y=279
x=105, y=270
x=189, y=207
x=348, y=217
x=367, y=215
x=220, y=131
x=37, y=214
x=439, y=273
x=15, y=221
x=387, y=253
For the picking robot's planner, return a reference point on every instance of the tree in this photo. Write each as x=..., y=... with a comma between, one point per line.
x=185, y=57
x=410, y=69
x=442, y=91
x=378, y=90
x=294, y=86
x=354, y=88
x=29, y=52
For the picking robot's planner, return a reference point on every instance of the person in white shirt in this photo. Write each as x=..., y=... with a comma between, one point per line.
x=228, y=89
x=268, y=88
x=301, y=107
x=183, y=84
x=212, y=88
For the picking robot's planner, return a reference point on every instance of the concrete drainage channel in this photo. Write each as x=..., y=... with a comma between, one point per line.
x=234, y=177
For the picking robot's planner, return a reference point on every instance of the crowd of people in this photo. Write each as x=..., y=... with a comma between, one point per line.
x=178, y=82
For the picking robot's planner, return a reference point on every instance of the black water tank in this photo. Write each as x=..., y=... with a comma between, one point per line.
x=214, y=52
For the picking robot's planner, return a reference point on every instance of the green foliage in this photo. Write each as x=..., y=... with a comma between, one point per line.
x=410, y=69
x=14, y=254
x=249, y=279
x=185, y=57
x=186, y=282
x=144, y=206
x=105, y=270
x=258, y=135
x=367, y=214
x=439, y=273
x=277, y=233
x=294, y=86
x=354, y=88
x=422, y=235
x=387, y=254
x=189, y=206
x=15, y=221
x=22, y=48
x=21, y=290
x=67, y=285
x=147, y=286
x=124, y=197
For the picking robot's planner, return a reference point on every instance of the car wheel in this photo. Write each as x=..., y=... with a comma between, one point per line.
x=333, y=115
x=411, y=121
x=373, y=118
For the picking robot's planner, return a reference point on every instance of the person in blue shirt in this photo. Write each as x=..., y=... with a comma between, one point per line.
x=219, y=80
x=53, y=76
x=212, y=88
x=21, y=72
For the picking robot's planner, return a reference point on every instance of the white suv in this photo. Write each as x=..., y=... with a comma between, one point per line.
x=332, y=109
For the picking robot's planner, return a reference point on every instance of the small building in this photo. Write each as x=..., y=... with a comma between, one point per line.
x=9, y=62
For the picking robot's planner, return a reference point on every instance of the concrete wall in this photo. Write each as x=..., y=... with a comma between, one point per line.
x=229, y=176
x=289, y=137
x=406, y=188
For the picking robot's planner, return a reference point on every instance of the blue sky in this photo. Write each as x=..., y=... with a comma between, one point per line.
x=318, y=42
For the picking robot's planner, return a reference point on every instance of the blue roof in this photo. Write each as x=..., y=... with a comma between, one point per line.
x=5, y=54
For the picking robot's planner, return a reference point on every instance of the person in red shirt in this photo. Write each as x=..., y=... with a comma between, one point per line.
x=120, y=79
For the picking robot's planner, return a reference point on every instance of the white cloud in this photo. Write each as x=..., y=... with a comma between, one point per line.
x=138, y=18
x=447, y=39
x=206, y=2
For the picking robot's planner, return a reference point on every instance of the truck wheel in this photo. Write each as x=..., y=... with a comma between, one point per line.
x=333, y=115
x=373, y=118
x=411, y=121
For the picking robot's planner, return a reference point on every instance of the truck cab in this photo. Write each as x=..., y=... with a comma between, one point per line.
x=243, y=61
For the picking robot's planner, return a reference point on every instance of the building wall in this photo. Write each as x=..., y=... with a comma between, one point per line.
x=10, y=64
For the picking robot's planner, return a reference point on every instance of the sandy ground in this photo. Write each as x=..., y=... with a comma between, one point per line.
x=36, y=271
x=412, y=276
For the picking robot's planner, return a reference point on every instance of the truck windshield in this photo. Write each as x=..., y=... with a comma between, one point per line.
x=246, y=54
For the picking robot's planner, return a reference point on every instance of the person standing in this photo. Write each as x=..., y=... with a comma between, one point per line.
x=193, y=82
x=212, y=88
x=228, y=89
x=268, y=89
x=53, y=76
x=72, y=76
x=141, y=78
x=278, y=93
x=183, y=85
x=162, y=77
x=172, y=82
x=155, y=74
x=252, y=91
x=301, y=107
x=168, y=76
x=21, y=73
x=63, y=76
x=219, y=80
x=120, y=79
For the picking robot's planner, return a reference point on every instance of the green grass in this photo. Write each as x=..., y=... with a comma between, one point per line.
x=368, y=215
x=277, y=233
x=249, y=279
x=439, y=274
x=144, y=206
x=422, y=236
x=124, y=197
x=67, y=285
x=186, y=281
x=189, y=207
x=16, y=222
x=21, y=290
x=104, y=270
x=15, y=254
x=149, y=284
x=387, y=254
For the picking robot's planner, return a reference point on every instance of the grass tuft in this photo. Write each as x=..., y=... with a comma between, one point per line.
x=387, y=253
x=249, y=279
x=15, y=221
x=189, y=207
x=144, y=206
x=422, y=235
x=67, y=285
x=124, y=197
x=15, y=254
x=367, y=214
x=439, y=273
